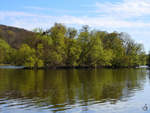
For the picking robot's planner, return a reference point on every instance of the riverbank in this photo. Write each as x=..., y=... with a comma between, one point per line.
x=7, y=66
x=85, y=67
x=11, y=67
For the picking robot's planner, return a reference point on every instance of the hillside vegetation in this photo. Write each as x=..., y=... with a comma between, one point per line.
x=60, y=46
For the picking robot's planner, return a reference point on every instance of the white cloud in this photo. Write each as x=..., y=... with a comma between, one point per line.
x=36, y=8
x=29, y=20
x=126, y=8
x=109, y=15
x=127, y=16
x=4, y=14
x=54, y=10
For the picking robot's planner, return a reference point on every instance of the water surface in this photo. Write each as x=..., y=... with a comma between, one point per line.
x=74, y=91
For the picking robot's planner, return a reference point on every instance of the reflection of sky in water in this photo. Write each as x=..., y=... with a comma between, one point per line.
x=131, y=100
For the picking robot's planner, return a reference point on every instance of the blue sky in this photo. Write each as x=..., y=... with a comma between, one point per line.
x=131, y=16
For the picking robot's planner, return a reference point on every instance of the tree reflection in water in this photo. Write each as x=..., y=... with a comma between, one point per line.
x=59, y=90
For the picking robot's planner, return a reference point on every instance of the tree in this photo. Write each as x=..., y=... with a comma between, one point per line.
x=57, y=32
x=4, y=51
x=84, y=42
x=94, y=56
x=148, y=59
x=133, y=51
x=26, y=56
x=62, y=46
x=71, y=32
x=73, y=51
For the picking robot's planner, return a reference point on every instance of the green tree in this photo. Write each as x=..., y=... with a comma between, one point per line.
x=58, y=55
x=62, y=46
x=95, y=54
x=4, y=51
x=26, y=56
x=133, y=51
x=71, y=32
x=73, y=51
x=85, y=44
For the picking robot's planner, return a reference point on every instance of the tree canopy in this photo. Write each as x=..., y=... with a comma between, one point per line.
x=62, y=46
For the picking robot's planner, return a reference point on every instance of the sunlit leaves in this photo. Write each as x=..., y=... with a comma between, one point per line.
x=62, y=46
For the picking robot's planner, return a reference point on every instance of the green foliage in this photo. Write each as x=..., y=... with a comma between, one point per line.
x=4, y=51
x=107, y=57
x=71, y=32
x=26, y=56
x=29, y=62
x=73, y=51
x=148, y=59
x=61, y=46
x=95, y=52
x=40, y=63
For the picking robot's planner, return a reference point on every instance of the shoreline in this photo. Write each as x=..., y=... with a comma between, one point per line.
x=7, y=66
x=84, y=67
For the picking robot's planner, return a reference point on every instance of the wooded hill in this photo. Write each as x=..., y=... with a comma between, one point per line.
x=14, y=36
x=60, y=46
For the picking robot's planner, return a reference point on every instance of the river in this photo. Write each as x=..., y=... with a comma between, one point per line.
x=74, y=90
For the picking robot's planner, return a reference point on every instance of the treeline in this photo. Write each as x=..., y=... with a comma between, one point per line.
x=60, y=46
x=148, y=59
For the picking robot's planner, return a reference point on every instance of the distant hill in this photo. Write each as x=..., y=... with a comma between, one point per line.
x=14, y=36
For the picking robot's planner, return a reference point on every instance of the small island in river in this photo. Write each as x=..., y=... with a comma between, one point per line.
x=63, y=47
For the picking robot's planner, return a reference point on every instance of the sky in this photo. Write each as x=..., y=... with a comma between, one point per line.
x=131, y=16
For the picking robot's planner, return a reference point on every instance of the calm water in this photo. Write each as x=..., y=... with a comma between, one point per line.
x=74, y=91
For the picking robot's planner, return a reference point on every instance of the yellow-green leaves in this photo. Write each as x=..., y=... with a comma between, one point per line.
x=4, y=51
x=62, y=46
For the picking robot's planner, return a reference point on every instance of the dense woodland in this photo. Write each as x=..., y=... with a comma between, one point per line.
x=60, y=46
